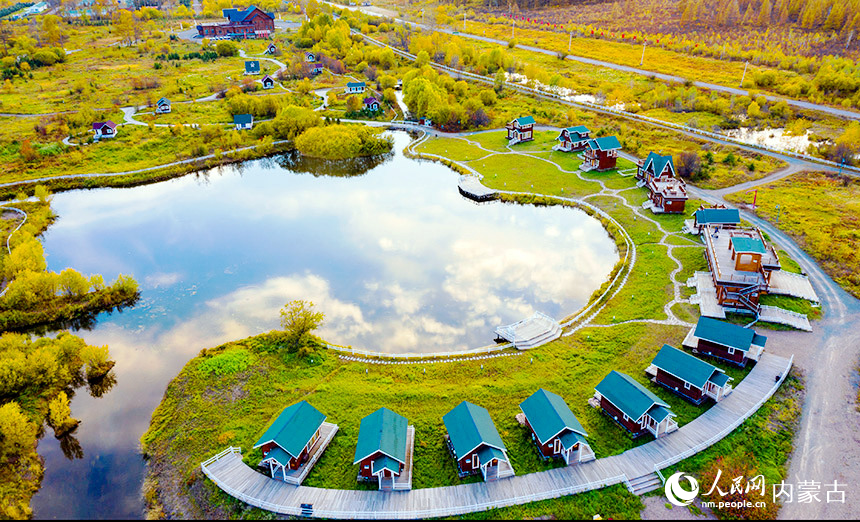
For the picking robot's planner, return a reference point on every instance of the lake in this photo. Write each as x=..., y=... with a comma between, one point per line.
x=387, y=249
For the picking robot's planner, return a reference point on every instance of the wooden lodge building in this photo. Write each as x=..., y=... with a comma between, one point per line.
x=371, y=104
x=573, y=139
x=688, y=376
x=601, y=154
x=104, y=129
x=741, y=263
x=633, y=407
x=520, y=130
x=383, y=445
x=355, y=87
x=286, y=444
x=667, y=192
x=162, y=106
x=252, y=67
x=268, y=82
x=554, y=428
x=475, y=443
x=730, y=342
x=253, y=22
x=717, y=217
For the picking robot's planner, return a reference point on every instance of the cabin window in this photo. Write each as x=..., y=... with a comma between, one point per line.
x=367, y=467
x=686, y=386
x=625, y=417
x=731, y=351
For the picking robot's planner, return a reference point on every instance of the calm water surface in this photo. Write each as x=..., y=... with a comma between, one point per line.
x=396, y=259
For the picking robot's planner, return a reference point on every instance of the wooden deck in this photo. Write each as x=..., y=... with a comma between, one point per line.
x=472, y=188
x=234, y=477
x=795, y=285
x=532, y=332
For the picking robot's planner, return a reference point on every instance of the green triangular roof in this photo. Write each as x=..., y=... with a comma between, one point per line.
x=488, y=453
x=549, y=415
x=605, y=143
x=469, y=426
x=659, y=163
x=727, y=334
x=293, y=428
x=384, y=462
x=718, y=215
x=684, y=366
x=384, y=431
x=628, y=395
x=525, y=120
x=569, y=438
x=720, y=379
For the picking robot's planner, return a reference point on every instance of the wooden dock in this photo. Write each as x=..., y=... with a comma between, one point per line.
x=471, y=187
x=531, y=332
x=634, y=467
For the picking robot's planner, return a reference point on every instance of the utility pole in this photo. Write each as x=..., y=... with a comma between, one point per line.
x=745, y=74
x=641, y=61
x=777, y=214
x=755, y=196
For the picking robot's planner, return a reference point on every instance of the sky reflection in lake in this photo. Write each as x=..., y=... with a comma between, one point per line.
x=396, y=259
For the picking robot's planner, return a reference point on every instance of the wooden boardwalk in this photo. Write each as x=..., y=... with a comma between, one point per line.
x=237, y=479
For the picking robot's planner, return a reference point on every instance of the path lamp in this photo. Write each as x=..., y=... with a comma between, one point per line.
x=642, y=60
x=744, y=75
x=777, y=214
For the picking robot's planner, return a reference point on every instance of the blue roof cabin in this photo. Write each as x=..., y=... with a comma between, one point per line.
x=726, y=341
x=243, y=121
x=287, y=442
x=572, y=139
x=384, y=450
x=687, y=376
x=555, y=430
x=355, y=87
x=162, y=106
x=654, y=166
x=252, y=67
x=632, y=406
x=601, y=154
x=520, y=129
x=268, y=82
x=475, y=443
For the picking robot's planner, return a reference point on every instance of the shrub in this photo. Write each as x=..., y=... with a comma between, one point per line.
x=227, y=363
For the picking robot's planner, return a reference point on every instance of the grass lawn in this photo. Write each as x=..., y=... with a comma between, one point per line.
x=201, y=113
x=821, y=213
x=453, y=148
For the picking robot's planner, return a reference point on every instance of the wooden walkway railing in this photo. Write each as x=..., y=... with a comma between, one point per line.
x=235, y=478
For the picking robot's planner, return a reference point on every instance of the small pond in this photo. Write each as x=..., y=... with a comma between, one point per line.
x=388, y=249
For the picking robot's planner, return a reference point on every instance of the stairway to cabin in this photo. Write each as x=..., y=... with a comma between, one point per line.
x=645, y=484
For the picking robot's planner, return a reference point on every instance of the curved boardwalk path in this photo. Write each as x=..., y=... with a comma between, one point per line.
x=240, y=481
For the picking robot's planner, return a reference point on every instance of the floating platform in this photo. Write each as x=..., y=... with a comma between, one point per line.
x=471, y=187
x=532, y=332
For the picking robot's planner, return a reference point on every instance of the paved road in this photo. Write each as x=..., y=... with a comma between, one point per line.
x=827, y=444
x=800, y=104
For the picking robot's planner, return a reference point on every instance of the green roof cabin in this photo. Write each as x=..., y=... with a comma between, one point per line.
x=475, y=443
x=716, y=216
x=600, y=154
x=555, y=429
x=287, y=443
x=654, y=166
x=688, y=376
x=572, y=139
x=384, y=450
x=730, y=342
x=632, y=406
x=520, y=130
